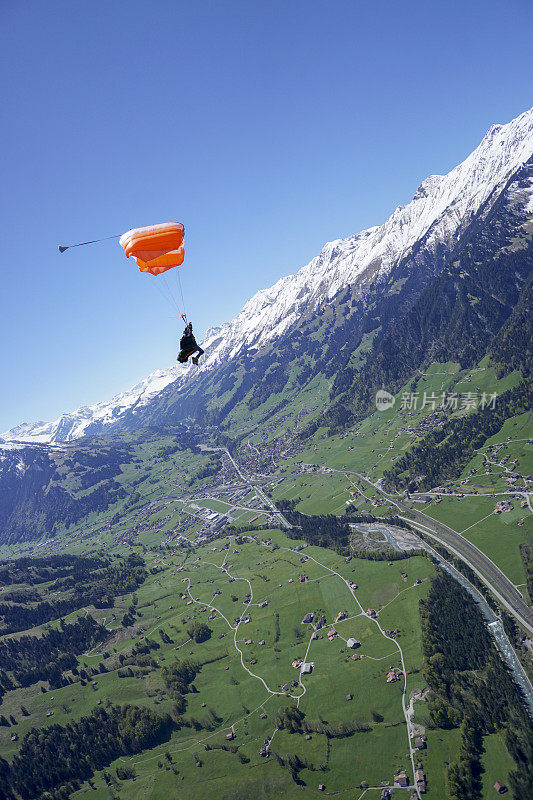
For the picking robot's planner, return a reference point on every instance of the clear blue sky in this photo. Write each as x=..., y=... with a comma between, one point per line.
x=267, y=128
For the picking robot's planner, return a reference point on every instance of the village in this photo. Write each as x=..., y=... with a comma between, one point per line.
x=337, y=630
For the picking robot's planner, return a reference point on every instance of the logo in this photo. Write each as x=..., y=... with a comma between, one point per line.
x=384, y=400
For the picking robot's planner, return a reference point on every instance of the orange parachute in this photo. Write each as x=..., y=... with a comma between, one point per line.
x=155, y=248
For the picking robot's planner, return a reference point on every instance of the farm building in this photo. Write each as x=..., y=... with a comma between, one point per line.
x=307, y=668
x=420, y=780
x=353, y=643
x=393, y=675
x=401, y=779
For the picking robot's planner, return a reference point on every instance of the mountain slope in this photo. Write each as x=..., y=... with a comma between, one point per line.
x=387, y=266
x=46, y=487
x=75, y=424
x=459, y=315
x=477, y=304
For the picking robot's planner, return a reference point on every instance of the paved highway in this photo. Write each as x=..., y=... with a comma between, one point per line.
x=486, y=570
x=482, y=565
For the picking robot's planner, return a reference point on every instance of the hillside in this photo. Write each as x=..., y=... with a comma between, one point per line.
x=253, y=579
x=44, y=488
x=324, y=373
x=312, y=321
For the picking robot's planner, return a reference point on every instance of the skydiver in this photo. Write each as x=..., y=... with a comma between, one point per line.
x=188, y=346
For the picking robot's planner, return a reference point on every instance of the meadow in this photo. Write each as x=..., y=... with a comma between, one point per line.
x=234, y=579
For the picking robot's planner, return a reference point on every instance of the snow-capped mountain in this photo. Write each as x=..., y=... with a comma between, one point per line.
x=441, y=209
x=74, y=424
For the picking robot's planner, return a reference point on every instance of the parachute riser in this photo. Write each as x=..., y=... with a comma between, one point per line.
x=63, y=247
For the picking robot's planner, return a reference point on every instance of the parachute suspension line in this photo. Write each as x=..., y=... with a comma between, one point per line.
x=171, y=294
x=181, y=293
x=166, y=296
x=63, y=247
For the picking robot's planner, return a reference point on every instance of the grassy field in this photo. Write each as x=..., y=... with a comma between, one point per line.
x=498, y=535
x=250, y=666
x=496, y=763
x=239, y=698
x=442, y=748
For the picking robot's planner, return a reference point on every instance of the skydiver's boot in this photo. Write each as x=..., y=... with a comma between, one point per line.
x=194, y=360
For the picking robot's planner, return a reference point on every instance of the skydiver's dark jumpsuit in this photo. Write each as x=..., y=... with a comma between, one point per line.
x=188, y=346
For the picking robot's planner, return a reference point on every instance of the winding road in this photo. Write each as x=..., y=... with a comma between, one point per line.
x=235, y=628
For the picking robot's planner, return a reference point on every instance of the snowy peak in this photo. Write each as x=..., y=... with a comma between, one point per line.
x=76, y=424
x=427, y=186
x=441, y=209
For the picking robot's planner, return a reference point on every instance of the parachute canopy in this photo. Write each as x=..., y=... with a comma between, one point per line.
x=155, y=248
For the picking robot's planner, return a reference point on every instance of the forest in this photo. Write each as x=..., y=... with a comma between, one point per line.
x=333, y=532
x=526, y=551
x=90, y=582
x=471, y=687
x=321, y=530
x=42, y=570
x=52, y=762
x=476, y=305
x=44, y=658
x=59, y=489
